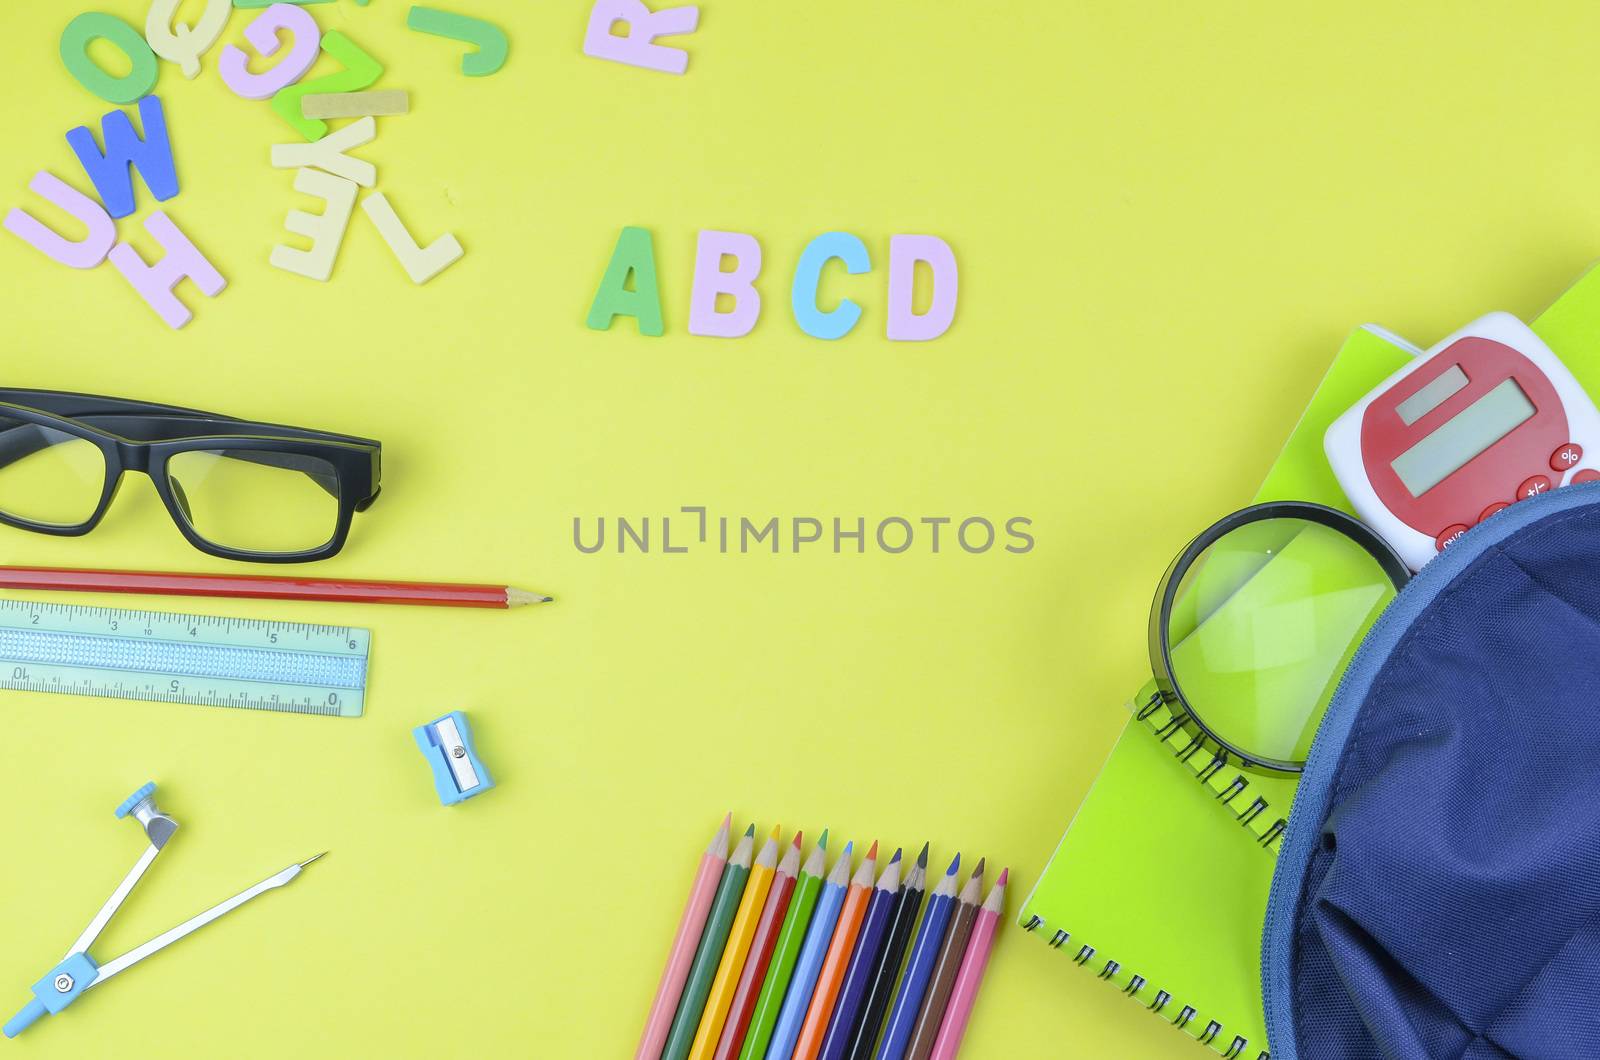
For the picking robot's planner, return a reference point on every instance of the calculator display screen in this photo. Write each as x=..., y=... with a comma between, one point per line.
x=1466, y=435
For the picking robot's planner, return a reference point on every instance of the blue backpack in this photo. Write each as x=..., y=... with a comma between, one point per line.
x=1438, y=893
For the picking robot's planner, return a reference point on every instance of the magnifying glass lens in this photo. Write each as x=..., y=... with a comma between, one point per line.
x=1262, y=625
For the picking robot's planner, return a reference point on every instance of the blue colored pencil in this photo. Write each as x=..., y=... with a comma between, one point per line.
x=919, y=969
x=863, y=962
x=812, y=953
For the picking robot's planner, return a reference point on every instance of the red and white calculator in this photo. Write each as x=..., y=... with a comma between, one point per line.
x=1483, y=419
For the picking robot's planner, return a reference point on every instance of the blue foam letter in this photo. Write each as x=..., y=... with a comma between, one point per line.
x=151, y=156
x=808, y=275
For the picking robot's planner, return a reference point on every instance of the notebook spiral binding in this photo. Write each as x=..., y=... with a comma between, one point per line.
x=1251, y=809
x=1210, y=1034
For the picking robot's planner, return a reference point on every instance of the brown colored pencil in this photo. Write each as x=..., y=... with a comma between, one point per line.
x=926, y=1030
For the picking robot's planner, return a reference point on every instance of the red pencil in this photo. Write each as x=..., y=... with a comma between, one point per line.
x=762, y=944
x=267, y=587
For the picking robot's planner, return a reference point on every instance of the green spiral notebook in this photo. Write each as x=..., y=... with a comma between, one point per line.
x=1200, y=839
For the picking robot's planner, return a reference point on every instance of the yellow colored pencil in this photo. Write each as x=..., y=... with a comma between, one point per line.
x=734, y=953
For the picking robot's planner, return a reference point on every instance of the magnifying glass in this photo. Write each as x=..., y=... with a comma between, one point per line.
x=1256, y=620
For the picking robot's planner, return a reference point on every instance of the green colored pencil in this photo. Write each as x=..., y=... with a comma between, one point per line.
x=709, y=953
x=790, y=938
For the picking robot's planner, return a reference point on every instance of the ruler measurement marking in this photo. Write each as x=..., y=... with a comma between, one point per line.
x=171, y=697
x=348, y=653
x=72, y=611
x=169, y=674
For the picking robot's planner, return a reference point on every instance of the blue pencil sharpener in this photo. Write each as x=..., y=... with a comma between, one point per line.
x=458, y=773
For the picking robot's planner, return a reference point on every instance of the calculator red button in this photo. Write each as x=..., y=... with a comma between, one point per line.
x=1497, y=506
x=1532, y=487
x=1449, y=535
x=1567, y=457
x=1588, y=474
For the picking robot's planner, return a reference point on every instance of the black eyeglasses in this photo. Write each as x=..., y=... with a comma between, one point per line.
x=236, y=488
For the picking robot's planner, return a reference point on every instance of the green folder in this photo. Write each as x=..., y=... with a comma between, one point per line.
x=1155, y=887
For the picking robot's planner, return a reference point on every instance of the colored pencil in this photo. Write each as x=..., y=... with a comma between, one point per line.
x=869, y=945
x=267, y=587
x=806, y=969
x=914, y=984
x=887, y=969
x=704, y=888
x=970, y=977
x=926, y=1029
x=709, y=952
x=720, y=998
x=837, y=961
x=760, y=957
x=790, y=939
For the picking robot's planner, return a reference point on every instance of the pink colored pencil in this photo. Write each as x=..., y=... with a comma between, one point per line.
x=665, y=1006
x=970, y=977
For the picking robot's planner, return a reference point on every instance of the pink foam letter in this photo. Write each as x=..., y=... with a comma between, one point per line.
x=905, y=324
x=263, y=36
x=155, y=282
x=84, y=253
x=644, y=26
x=710, y=281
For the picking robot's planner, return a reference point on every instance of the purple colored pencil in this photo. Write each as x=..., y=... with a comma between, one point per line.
x=858, y=976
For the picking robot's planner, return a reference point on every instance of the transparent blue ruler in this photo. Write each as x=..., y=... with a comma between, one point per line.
x=173, y=658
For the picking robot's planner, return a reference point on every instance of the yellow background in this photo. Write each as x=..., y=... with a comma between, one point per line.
x=1167, y=217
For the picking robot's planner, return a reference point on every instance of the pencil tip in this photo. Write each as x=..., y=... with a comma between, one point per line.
x=727, y=821
x=954, y=865
x=823, y=841
x=977, y=873
x=896, y=859
x=799, y=840
x=848, y=847
x=922, y=858
x=1005, y=874
x=750, y=832
x=872, y=851
x=776, y=833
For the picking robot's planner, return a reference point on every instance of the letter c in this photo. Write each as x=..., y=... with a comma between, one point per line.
x=808, y=276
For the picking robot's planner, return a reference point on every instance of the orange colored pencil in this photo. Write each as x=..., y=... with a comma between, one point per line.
x=834, y=965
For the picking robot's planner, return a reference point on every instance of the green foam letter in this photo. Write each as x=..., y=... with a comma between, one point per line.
x=91, y=26
x=360, y=70
x=635, y=255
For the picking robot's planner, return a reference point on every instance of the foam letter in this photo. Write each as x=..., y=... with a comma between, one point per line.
x=92, y=26
x=421, y=263
x=644, y=26
x=155, y=282
x=635, y=254
x=360, y=70
x=905, y=324
x=710, y=281
x=489, y=45
x=325, y=230
x=151, y=156
x=262, y=34
x=808, y=276
x=328, y=153
x=178, y=42
x=84, y=253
